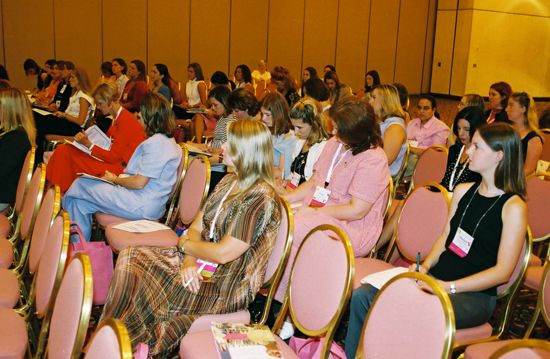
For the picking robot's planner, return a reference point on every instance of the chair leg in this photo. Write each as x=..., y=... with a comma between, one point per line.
x=534, y=320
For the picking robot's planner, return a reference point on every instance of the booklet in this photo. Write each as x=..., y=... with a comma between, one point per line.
x=196, y=110
x=141, y=226
x=194, y=149
x=85, y=175
x=42, y=112
x=244, y=341
x=97, y=137
x=378, y=279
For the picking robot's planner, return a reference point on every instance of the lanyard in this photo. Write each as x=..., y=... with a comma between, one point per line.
x=219, y=210
x=452, y=182
x=334, y=164
x=484, y=214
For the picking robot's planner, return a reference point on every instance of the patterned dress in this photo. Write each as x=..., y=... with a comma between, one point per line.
x=147, y=293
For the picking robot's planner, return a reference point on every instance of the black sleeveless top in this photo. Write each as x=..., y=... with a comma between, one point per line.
x=465, y=175
x=525, y=142
x=299, y=165
x=484, y=250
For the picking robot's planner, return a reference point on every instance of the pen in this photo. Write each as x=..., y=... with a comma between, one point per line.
x=418, y=262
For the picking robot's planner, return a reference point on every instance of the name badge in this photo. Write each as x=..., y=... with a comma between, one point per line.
x=294, y=181
x=57, y=103
x=206, y=269
x=125, y=96
x=461, y=244
x=413, y=143
x=320, y=197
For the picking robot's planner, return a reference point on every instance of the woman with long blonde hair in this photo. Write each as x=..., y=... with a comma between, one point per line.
x=17, y=133
x=235, y=231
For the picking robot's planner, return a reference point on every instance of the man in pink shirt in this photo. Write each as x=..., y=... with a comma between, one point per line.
x=426, y=130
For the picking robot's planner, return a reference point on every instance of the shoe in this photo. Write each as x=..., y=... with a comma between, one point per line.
x=286, y=331
x=142, y=351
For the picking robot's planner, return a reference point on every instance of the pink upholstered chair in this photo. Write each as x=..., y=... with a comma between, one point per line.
x=25, y=220
x=399, y=176
x=7, y=221
x=71, y=311
x=421, y=222
x=524, y=349
x=9, y=282
x=538, y=193
x=193, y=191
x=546, y=145
x=110, y=340
x=13, y=335
x=104, y=220
x=406, y=321
x=484, y=350
x=430, y=166
x=274, y=271
x=323, y=269
x=506, y=294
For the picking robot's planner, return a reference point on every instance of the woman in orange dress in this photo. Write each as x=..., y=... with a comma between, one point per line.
x=126, y=134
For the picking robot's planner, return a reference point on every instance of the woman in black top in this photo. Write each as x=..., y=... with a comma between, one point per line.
x=465, y=124
x=483, y=238
x=17, y=134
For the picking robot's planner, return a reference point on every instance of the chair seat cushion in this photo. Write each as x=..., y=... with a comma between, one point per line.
x=366, y=266
x=9, y=289
x=203, y=323
x=201, y=345
x=5, y=226
x=484, y=350
x=6, y=253
x=105, y=220
x=534, y=261
x=13, y=335
x=533, y=277
x=119, y=239
x=479, y=332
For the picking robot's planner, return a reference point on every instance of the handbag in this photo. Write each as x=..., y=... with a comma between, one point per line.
x=311, y=348
x=101, y=257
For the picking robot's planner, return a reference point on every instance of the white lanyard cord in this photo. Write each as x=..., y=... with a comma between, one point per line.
x=219, y=210
x=484, y=214
x=334, y=164
x=452, y=182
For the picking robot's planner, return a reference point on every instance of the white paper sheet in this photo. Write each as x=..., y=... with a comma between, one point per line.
x=141, y=226
x=378, y=279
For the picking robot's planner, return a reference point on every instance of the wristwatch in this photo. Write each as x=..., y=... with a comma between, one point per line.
x=452, y=289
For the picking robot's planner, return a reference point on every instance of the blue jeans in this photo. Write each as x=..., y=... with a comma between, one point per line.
x=471, y=309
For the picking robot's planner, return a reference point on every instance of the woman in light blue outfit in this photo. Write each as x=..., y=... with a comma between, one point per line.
x=384, y=100
x=275, y=114
x=148, y=180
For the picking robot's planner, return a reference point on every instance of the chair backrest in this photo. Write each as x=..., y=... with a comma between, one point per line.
x=194, y=188
x=323, y=269
x=389, y=199
x=32, y=201
x=402, y=169
x=430, y=166
x=52, y=263
x=406, y=321
x=278, y=259
x=71, y=311
x=538, y=193
x=421, y=222
x=110, y=340
x=24, y=179
x=544, y=294
x=174, y=197
x=48, y=210
x=545, y=156
x=523, y=349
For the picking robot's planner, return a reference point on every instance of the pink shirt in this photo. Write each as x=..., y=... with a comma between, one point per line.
x=433, y=132
x=364, y=176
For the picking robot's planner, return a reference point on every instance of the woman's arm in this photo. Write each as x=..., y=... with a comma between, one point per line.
x=201, y=87
x=82, y=113
x=394, y=138
x=534, y=151
x=514, y=227
x=301, y=192
x=130, y=182
x=354, y=210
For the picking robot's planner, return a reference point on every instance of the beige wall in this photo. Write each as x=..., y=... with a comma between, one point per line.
x=479, y=42
x=394, y=37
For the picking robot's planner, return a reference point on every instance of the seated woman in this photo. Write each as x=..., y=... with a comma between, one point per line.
x=236, y=229
x=482, y=240
x=471, y=99
x=522, y=113
x=305, y=116
x=274, y=112
x=349, y=183
x=243, y=105
x=285, y=84
x=390, y=115
x=243, y=78
x=44, y=98
x=164, y=84
x=136, y=87
x=119, y=69
x=337, y=89
x=33, y=69
x=17, y=135
x=194, y=94
x=73, y=119
x=499, y=94
x=372, y=79
x=317, y=90
x=126, y=134
x=142, y=190
x=309, y=73
x=107, y=74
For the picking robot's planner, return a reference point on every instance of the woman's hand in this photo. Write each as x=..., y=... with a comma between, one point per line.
x=110, y=176
x=304, y=210
x=82, y=138
x=421, y=268
x=59, y=113
x=190, y=278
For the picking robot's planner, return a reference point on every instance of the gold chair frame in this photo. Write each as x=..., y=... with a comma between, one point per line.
x=176, y=194
x=30, y=170
x=121, y=333
x=437, y=148
x=540, y=308
x=436, y=290
x=524, y=343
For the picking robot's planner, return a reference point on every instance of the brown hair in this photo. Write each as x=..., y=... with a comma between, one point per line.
x=157, y=115
x=309, y=111
x=275, y=103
